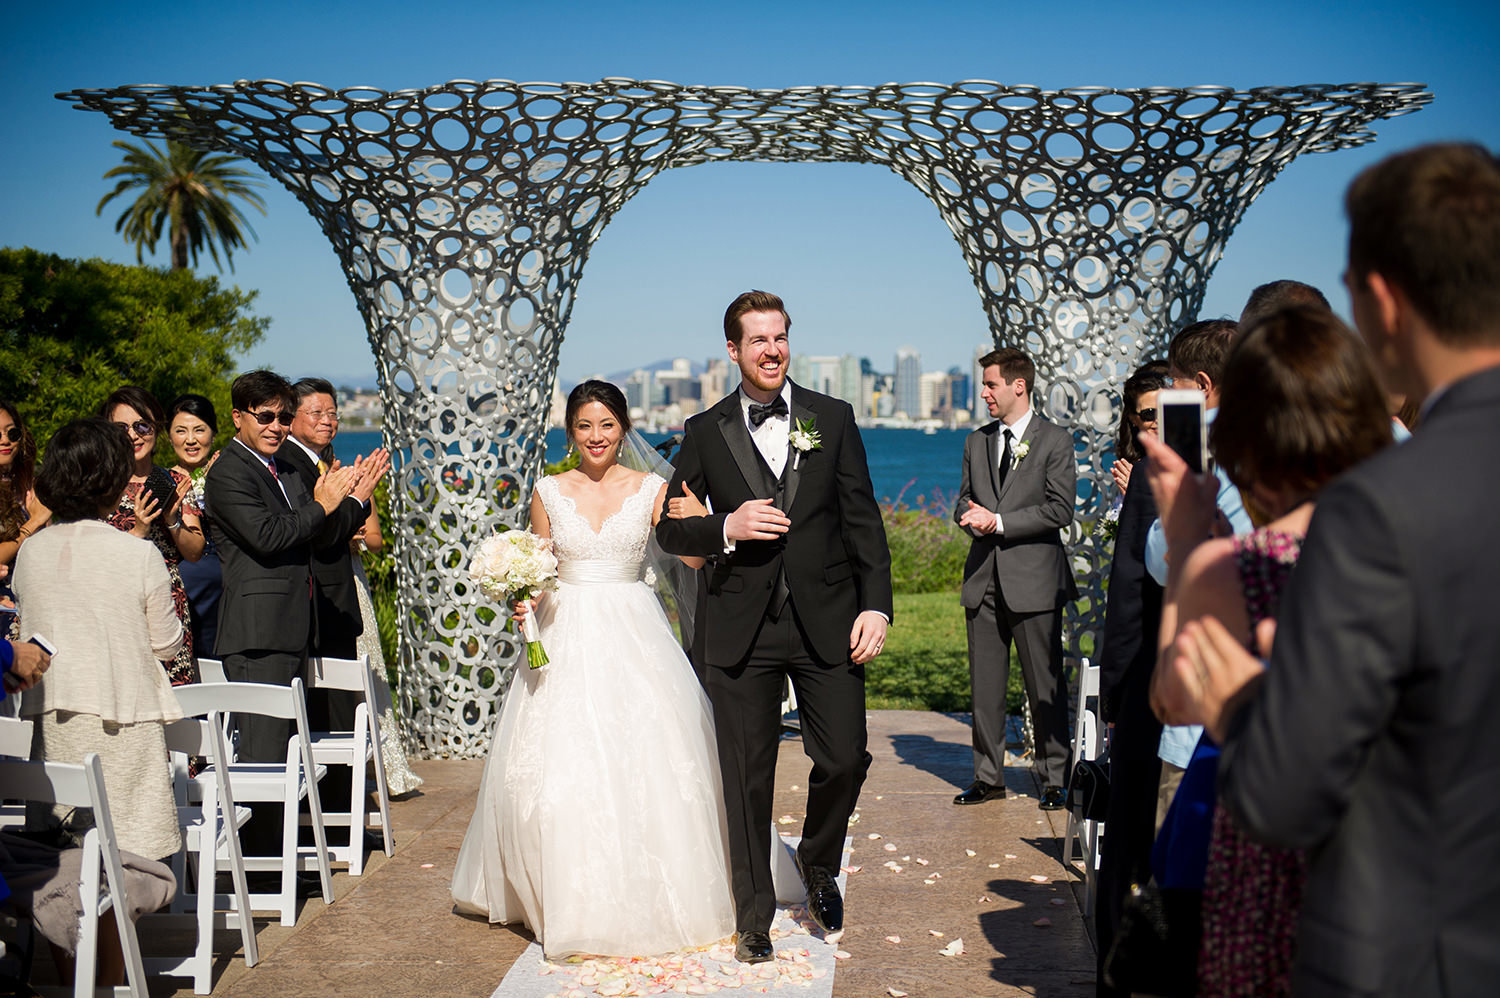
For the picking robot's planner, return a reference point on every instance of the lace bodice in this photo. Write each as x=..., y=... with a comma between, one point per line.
x=622, y=536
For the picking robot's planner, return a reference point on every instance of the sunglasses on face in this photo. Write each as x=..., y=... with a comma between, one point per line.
x=265, y=416
x=12, y=433
x=1146, y=415
x=140, y=428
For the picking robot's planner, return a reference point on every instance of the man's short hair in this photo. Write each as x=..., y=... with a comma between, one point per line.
x=1428, y=222
x=313, y=386
x=751, y=301
x=256, y=388
x=1277, y=295
x=1013, y=364
x=1202, y=347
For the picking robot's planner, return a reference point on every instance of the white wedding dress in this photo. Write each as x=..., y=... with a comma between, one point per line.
x=600, y=819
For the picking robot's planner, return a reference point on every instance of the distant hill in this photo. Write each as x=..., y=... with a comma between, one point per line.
x=618, y=377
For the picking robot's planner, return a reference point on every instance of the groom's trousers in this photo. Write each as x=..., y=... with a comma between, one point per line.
x=747, y=720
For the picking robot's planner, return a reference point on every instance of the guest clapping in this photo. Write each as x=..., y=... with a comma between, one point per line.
x=21, y=514
x=150, y=506
x=191, y=430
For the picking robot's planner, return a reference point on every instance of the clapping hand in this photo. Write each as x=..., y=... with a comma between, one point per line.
x=978, y=519
x=370, y=470
x=756, y=520
x=1120, y=472
x=333, y=486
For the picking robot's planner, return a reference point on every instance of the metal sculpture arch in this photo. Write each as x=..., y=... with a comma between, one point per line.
x=1090, y=219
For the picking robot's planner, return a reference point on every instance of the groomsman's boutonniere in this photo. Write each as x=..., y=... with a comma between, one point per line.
x=1019, y=454
x=804, y=438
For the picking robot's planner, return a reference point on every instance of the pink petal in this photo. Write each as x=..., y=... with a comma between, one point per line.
x=852, y=869
x=929, y=883
x=893, y=939
x=921, y=862
x=1038, y=878
x=895, y=993
x=970, y=853
x=1042, y=923
x=1010, y=855
x=936, y=933
x=873, y=836
x=1058, y=901
x=889, y=847
x=841, y=955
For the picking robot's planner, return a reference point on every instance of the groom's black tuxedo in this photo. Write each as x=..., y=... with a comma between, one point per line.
x=783, y=609
x=835, y=556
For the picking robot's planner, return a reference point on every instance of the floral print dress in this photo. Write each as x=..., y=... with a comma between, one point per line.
x=1252, y=893
x=183, y=669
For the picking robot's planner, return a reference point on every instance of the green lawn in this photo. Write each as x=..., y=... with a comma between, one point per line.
x=925, y=664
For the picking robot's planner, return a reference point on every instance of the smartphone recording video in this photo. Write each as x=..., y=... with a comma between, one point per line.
x=1182, y=426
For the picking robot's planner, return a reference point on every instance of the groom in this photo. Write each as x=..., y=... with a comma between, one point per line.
x=800, y=587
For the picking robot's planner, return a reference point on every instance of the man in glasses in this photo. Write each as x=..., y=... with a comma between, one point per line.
x=266, y=519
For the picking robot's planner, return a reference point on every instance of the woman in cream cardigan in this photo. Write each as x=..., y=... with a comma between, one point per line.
x=103, y=598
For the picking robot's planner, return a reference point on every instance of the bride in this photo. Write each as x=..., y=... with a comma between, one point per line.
x=600, y=819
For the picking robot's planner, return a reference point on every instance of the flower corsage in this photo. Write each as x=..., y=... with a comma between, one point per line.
x=1019, y=454
x=803, y=439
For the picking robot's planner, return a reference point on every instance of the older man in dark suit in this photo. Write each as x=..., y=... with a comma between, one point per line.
x=1016, y=495
x=1370, y=739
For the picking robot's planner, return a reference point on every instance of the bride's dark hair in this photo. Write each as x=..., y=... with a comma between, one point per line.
x=605, y=394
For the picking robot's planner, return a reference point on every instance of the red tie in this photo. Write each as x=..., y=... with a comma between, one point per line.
x=271, y=463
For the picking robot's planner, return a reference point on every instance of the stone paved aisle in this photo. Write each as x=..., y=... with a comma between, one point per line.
x=391, y=932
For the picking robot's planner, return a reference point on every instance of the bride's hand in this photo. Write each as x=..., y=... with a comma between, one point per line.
x=520, y=609
x=686, y=505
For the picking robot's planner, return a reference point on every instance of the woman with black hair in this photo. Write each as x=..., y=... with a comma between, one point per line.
x=150, y=506
x=21, y=514
x=192, y=424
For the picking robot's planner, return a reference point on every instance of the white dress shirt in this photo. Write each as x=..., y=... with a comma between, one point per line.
x=770, y=438
x=1017, y=431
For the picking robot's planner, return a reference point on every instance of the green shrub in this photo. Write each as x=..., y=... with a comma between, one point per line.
x=927, y=547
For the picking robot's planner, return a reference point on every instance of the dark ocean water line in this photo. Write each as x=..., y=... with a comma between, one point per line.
x=910, y=464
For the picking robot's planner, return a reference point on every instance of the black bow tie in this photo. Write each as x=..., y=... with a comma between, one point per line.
x=762, y=411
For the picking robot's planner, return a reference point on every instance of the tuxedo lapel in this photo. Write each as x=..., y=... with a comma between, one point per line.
x=794, y=458
x=737, y=438
x=255, y=467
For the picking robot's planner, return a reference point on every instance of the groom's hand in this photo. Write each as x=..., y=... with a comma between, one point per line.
x=756, y=520
x=867, y=637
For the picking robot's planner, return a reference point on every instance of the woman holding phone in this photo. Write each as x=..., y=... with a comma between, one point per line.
x=151, y=507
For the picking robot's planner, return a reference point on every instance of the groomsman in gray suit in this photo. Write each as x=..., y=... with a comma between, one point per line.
x=1017, y=492
x=1370, y=739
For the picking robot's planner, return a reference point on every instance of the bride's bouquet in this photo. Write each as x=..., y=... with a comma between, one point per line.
x=517, y=565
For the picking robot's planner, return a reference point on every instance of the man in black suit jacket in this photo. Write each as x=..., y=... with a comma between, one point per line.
x=1016, y=495
x=266, y=518
x=1370, y=739
x=336, y=624
x=1127, y=656
x=801, y=588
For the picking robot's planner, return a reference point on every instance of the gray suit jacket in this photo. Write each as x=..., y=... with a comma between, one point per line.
x=1374, y=741
x=1034, y=504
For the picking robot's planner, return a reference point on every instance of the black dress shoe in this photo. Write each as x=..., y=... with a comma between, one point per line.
x=1053, y=799
x=824, y=903
x=375, y=840
x=979, y=792
x=753, y=947
x=307, y=885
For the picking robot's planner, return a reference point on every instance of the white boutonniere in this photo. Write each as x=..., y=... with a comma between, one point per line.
x=804, y=438
x=1019, y=454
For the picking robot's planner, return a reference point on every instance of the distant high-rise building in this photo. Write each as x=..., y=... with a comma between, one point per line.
x=800, y=370
x=714, y=384
x=936, y=395
x=981, y=408
x=960, y=388
x=908, y=375
x=850, y=385
x=640, y=386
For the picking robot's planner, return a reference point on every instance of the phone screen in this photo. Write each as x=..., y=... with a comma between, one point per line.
x=1182, y=430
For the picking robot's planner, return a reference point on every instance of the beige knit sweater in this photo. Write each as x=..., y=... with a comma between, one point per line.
x=103, y=598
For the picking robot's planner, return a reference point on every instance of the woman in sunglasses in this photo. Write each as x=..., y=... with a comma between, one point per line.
x=1140, y=414
x=151, y=507
x=21, y=513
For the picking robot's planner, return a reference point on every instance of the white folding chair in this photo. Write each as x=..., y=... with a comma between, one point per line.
x=211, y=670
x=15, y=741
x=83, y=786
x=210, y=835
x=355, y=749
x=287, y=782
x=1082, y=838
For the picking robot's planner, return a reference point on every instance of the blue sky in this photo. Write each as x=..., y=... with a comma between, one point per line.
x=863, y=259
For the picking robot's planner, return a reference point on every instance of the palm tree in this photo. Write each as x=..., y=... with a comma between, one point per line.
x=191, y=193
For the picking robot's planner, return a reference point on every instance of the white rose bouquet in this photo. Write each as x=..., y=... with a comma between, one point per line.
x=517, y=565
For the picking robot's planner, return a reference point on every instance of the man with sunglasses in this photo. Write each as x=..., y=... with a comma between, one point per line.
x=266, y=519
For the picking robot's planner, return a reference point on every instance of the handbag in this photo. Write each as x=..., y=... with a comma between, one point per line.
x=1088, y=788
x=1155, y=949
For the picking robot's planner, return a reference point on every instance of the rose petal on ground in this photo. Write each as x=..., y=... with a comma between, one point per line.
x=880, y=796
x=984, y=899
x=1058, y=901
x=970, y=853
x=1042, y=922
x=890, y=847
x=785, y=819
x=906, y=859
x=873, y=835
x=427, y=866
x=851, y=869
x=893, y=939
x=1039, y=879
x=1010, y=855
x=955, y=948
x=935, y=932
x=894, y=993
x=994, y=866
x=929, y=883
x=834, y=936
x=795, y=787
x=921, y=861
x=841, y=955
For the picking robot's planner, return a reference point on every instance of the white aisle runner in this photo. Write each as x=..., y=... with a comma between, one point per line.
x=803, y=957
